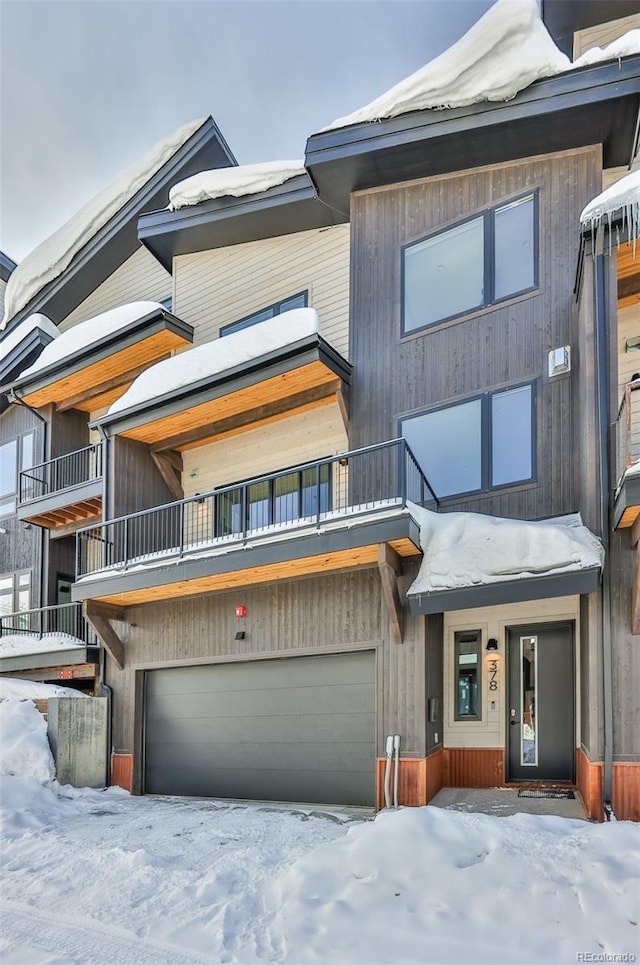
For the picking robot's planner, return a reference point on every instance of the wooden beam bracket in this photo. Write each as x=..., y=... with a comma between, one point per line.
x=390, y=567
x=169, y=465
x=97, y=616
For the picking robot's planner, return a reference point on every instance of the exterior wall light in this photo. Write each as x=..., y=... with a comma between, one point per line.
x=559, y=360
x=492, y=644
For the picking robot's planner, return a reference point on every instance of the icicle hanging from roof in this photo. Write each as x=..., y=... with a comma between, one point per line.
x=621, y=200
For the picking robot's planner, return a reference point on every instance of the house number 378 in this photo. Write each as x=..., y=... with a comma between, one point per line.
x=493, y=675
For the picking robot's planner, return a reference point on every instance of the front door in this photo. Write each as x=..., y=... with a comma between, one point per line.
x=540, y=709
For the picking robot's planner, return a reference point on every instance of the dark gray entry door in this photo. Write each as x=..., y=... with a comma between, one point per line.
x=540, y=708
x=293, y=729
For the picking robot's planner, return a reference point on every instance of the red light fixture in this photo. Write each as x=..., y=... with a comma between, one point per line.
x=241, y=611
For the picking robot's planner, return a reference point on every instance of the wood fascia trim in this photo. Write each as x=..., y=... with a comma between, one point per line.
x=73, y=401
x=168, y=469
x=390, y=567
x=97, y=616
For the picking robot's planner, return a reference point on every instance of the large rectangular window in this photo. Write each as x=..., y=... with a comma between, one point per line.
x=484, y=443
x=283, y=499
x=468, y=676
x=294, y=301
x=471, y=265
x=15, y=597
x=15, y=455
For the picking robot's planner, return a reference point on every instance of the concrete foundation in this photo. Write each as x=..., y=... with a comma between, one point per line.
x=78, y=732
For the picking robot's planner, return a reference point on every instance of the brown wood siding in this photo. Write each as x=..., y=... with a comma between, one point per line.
x=412, y=782
x=473, y=767
x=122, y=771
x=493, y=348
x=21, y=546
x=625, y=793
x=332, y=613
x=589, y=781
x=435, y=773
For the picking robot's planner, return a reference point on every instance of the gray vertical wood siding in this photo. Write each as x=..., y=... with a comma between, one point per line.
x=493, y=348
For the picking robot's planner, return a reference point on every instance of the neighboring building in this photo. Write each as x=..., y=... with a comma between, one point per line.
x=342, y=512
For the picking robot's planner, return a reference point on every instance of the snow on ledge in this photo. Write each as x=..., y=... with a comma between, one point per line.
x=469, y=549
x=624, y=46
x=14, y=688
x=624, y=197
x=25, y=644
x=233, y=182
x=86, y=333
x=20, y=332
x=55, y=254
x=211, y=358
x=505, y=51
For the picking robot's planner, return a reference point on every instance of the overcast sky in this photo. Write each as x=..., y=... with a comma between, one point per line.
x=88, y=86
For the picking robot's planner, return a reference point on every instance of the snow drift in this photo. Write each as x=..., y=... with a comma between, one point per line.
x=233, y=182
x=504, y=52
x=468, y=549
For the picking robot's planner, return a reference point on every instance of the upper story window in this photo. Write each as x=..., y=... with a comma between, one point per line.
x=476, y=263
x=484, y=443
x=15, y=595
x=16, y=455
x=301, y=300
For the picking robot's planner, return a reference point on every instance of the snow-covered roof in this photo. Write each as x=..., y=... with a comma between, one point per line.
x=233, y=182
x=470, y=549
x=505, y=51
x=13, y=338
x=90, y=331
x=52, y=256
x=25, y=644
x=206, y=360
x=623, y=198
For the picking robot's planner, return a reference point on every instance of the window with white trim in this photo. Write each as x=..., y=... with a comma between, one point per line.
x=16, y=455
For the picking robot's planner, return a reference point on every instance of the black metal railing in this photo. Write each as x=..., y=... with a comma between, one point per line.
x=63, y=472
x=312, y=494
x=66, y=618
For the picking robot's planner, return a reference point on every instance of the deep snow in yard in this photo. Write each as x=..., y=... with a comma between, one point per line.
x=102, y=877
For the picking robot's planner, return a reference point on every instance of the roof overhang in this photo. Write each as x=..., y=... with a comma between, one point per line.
x=592, y=105
x=7, y=266
x=626, y=505
x=349, y=544
x=118, y=239
x=20, y=358
x=507, y=591
x=96, y=375
x=304, y=373
x=282, y=210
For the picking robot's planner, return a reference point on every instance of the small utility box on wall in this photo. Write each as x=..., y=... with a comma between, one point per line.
x=77, y=729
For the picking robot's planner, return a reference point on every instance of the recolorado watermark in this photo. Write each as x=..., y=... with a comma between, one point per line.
x=605, y=957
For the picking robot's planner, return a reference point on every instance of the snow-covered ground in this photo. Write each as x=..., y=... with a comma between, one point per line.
x=104, y=878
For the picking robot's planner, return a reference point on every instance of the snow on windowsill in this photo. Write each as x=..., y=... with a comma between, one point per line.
x=86, y=333
x=212, y=358
x=233, y=182
x=470, y=549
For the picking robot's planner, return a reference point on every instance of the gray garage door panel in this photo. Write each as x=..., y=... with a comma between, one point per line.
x=296, y=729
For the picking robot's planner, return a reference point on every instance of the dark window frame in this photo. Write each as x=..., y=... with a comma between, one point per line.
x=488, y=214
x=457, y=641
x=20, y=467
x=486, y=438
x=276, y=308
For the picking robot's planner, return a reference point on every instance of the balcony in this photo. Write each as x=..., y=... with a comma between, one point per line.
x=314, y=518
x=626, y=505
x=62, y=493
x=51, y=642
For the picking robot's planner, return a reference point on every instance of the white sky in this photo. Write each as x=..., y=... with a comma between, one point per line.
x=88, y=86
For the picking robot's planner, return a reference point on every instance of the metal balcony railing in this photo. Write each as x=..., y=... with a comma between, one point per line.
x=65, y=618
x=627, y=429
x=355, y=483
x=63, y=472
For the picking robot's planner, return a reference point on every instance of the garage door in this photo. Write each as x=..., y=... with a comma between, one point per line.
x=297, y=729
